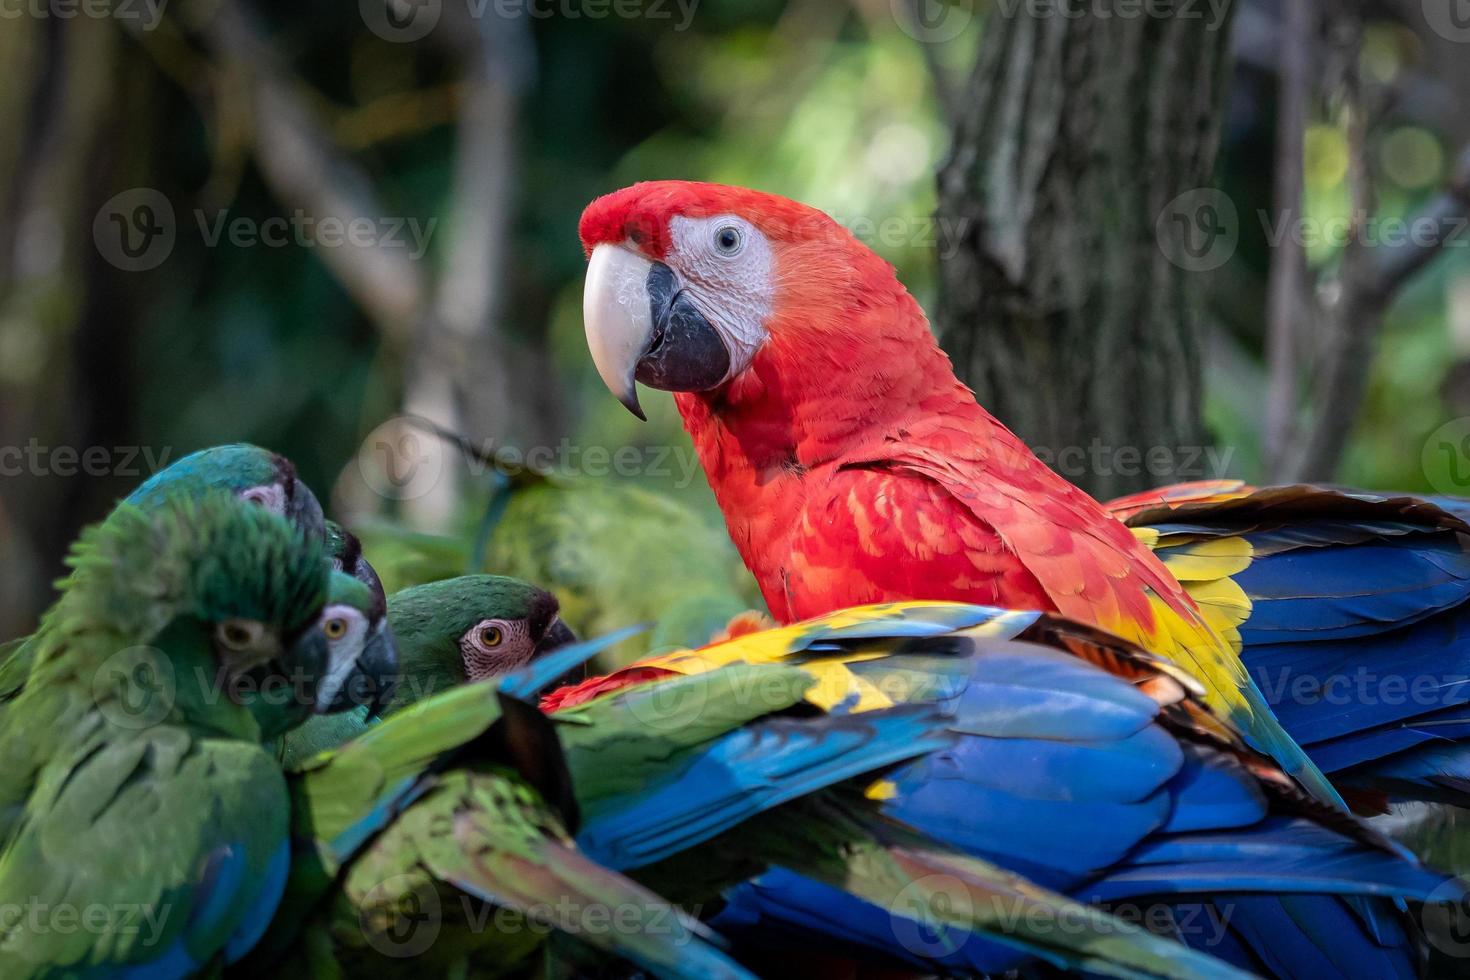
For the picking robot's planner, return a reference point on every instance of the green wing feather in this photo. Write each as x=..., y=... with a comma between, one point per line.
x=166, y=841
x=421, y=811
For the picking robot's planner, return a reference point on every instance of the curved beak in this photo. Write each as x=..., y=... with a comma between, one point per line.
x=307, y=662
x=642, y=325
x=557, y=635
x=370, y=682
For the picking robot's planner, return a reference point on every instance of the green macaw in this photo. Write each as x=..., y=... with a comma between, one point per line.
x=448, y=633
x=249, y=472
x=699, y=782
x=137, y=797
x=437, y=840
x=578, y=537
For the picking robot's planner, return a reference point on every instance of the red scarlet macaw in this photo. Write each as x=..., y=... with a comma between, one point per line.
x=850, y=464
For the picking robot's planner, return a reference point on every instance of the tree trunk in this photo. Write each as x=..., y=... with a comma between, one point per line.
x=1072, y=271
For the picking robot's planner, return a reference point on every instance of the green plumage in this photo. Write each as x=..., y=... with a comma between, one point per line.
x=135, y=777
x=239, y=469
x=437, y=808
x=428, y=623
x=580, y=539
x=434, y=849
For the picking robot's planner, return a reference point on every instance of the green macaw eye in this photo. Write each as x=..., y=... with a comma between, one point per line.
x=335, y=628
x=491, y=637
x=238, y=634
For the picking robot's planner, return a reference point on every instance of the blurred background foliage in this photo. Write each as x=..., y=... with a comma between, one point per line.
x=829, y=102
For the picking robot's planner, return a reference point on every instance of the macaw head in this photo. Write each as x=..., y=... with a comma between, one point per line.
x=255, y=475
x=362, y=655
x=688, y=283
x=220, y=596
x=470, y=628
x=363, y=662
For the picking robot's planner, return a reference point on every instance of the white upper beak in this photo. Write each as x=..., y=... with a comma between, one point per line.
x=618, y=318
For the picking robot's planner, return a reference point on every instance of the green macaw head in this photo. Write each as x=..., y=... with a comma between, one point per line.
x=356, y=621
x=468, y=629
x=219, y=595
x=362, y=655
x=249, y=472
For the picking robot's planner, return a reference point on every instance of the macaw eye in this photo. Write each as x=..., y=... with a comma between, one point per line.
x=238, y=634
x=728, y=240
x=335, y=628
x=490, y=637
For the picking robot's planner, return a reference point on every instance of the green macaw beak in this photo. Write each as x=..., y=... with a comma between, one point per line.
x=306, y=661
x=373, y=678
x=557, y=635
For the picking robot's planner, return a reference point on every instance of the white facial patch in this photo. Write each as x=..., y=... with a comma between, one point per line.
x=495, y=646
x=343, y=650
x=733, y=288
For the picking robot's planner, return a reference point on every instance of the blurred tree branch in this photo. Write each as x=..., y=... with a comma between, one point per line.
x=64, y=327
x=465, y=372
x=463, y=367
x=308, y=171
x=1349, y=309
x=1371, y=279
x=1289, y=262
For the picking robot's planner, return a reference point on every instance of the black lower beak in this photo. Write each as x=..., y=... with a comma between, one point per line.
x=685, y=352
x=560, y=635
x=373, y=679
x=557, y=635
